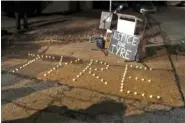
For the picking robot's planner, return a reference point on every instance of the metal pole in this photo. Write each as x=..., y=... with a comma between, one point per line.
x=110, y=6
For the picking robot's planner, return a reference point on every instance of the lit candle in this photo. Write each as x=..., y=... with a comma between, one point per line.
x=121, y=90
x=136, y=78
x=128, y=92
x=78, y=76
x=151, y=96
x=74, y=80
x=142, y=79
x=105, y=83
x=143, y=95
x=101, y=80
x=97, y=77
x=135, y=93
x=45, y=74
x=158, y=97
x=129, y=77
x=149, y=80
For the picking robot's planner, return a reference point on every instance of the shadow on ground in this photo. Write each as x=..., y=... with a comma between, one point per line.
x=107, y=111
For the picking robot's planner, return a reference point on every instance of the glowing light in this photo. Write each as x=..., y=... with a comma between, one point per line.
x=151, y=96
x=128, y=92
x=158, y=97
x=74, y=80
x=135, y=93
x=142, y=94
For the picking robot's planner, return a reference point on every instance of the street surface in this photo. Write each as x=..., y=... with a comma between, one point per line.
x=75, y=82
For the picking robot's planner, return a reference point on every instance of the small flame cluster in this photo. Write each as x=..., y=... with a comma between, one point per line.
x=142, y=94
x=77, y=60
x=142, y=79
x=54, y=68
x=123, y=78
x=24, y=65
x=139, y=67
x=42, y=56
x=88, y=67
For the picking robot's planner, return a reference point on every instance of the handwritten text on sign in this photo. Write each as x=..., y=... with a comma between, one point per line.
x=124, y=45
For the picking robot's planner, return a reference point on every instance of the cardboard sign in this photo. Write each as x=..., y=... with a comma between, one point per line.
x=124, y=45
